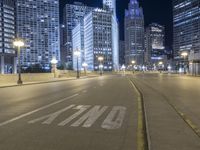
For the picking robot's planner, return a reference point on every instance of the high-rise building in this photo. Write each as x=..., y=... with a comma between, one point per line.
x=78, y=45
x=98, y=39
x=38, y=25
x=110, y=5
x=73, y=14
x=186, y=23
x=7, y=35
x=154, y=44
x=134, y=33
x=121, y=53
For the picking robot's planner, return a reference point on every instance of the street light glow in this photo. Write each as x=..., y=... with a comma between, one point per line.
x=77, y=53
x=18, y=43
x=160, y=63
x=54, y=61
x=100, y=58
x=101, y=66
x=184, y=54
x=84, y=64
x=133, y=62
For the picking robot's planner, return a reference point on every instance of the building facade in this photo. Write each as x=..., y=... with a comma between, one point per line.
x=73, y=14
x=186, y=24
x=121, y=53
x=154, y=44
x=38, y=25
x=98, y=39
x=78, y=45
x=134, y=33
x=7, y=36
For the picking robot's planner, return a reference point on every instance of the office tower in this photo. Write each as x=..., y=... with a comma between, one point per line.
x=78, y=45
x=73, y=14
x=110, y=5
x=121, y=53
x=134, y=34
x=154, y=44
x=98, y=39
x=38, y=26
x=7, y=35
x=186, y=23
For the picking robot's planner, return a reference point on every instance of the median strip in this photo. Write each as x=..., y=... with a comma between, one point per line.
x=142, y=136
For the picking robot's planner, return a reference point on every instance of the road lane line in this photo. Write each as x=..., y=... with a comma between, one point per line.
x=90, y=117
x=115, y=118
x=37, y=110
x=51, y=117
x=81, y=108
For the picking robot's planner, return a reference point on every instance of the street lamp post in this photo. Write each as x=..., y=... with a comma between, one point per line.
x=124, y=69
x=100, y=59
x=19, y=43
x=85, y=67
x=77, y=54
x=54, y=66
x=184, y=55
x=133, y=63
x=161, y=66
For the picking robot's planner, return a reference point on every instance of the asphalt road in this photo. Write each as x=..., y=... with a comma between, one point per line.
x=87, y=114
x=102, y=113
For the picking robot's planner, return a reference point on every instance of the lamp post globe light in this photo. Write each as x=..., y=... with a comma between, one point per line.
x=85, y=67
x=54, y=62
x=100, y=59
x=133, y=65
x=19, y=43
x=77, y=53
x=160, y=64
x=123, y=69
x=185, y=55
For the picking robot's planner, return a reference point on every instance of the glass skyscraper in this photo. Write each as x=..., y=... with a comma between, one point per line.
x=98, y=39
x=38, y=25
x=7, y=35
x=134, y=34
x=73, y=14
x=187, y=31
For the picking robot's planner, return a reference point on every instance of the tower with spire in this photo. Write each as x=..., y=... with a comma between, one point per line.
x=134, y=34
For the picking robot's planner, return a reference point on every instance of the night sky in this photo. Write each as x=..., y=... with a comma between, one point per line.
x=159, y=11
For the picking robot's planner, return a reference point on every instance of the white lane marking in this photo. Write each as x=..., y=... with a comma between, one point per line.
x=115, y=118
x=36, y=110
x=90, y=117
x=51, y=117
x=81, y=109
x=85, y=91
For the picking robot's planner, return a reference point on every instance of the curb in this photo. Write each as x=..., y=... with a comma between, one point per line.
x=43, y=82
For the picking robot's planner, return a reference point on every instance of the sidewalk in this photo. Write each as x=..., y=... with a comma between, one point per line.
x=5, y=85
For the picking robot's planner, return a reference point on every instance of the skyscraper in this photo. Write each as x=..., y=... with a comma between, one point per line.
x=134, y=33
x=73, y=14
x=110, y=5
x=38, y=26
x=98, y=39
x=7, y=35
x=187, y=31
x=155, y=44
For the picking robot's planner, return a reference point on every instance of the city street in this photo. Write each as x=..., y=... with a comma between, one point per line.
x=103, y=113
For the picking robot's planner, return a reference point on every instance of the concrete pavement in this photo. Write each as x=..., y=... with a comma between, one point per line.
x=172, y=106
